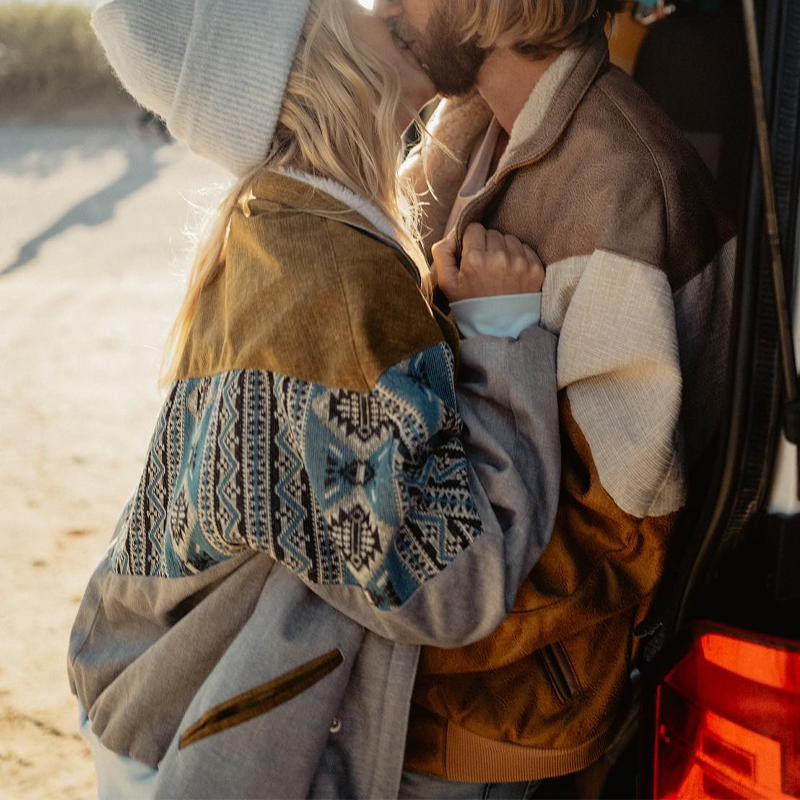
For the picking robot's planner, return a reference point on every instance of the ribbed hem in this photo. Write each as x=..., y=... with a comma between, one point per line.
x=474, y=759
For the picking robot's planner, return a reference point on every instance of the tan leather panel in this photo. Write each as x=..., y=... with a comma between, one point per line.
x=599, y=567
x=519, y=706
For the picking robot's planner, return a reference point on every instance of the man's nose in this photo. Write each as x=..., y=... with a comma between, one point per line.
x=386, y=9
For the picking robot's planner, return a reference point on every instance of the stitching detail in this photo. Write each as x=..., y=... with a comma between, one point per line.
x=664, y=482
x=346, y=302
x=652, y=156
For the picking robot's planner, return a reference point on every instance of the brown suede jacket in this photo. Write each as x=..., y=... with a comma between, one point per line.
x=639, y=273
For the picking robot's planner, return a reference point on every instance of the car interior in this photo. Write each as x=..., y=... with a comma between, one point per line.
x=710, y=714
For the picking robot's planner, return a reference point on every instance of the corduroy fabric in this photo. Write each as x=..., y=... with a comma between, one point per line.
x=280, y=264
x=216, y=72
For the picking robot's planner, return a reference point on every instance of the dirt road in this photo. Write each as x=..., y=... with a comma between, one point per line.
x=91, y=251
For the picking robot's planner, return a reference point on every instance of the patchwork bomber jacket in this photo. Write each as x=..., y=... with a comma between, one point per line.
x=639, y=264
x=313, y=455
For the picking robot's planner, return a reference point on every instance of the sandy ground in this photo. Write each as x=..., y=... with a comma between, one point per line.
x=92, y=246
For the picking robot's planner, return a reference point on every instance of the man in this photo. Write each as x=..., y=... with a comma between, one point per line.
x=577, y=162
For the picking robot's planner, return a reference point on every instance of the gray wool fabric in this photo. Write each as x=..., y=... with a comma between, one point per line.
x=215, y=71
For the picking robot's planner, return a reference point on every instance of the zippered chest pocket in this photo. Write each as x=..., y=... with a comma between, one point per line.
x=559, y=670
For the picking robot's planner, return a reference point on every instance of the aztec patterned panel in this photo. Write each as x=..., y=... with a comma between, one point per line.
x=361, y=489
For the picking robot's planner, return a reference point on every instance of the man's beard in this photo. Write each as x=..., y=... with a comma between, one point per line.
x=451, y=64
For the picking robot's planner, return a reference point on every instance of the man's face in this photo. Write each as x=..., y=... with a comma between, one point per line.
x=425, y=27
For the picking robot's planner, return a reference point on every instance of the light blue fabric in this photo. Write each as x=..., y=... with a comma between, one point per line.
x=425, y=787
x=118, y=777
x=505, y=315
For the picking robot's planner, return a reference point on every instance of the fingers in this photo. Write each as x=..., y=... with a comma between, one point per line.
x=532, y=256
x=474, y=239
x=495, y=242
x=514, y=246
x=491, y=264
x=505, y=252
x=445, y=267
x=537, y=271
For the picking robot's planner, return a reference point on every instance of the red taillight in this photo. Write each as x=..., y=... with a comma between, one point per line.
x=728, y=720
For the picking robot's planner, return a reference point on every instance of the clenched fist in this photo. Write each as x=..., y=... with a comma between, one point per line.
x=491, y=264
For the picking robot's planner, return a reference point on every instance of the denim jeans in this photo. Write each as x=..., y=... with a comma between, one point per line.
x=425, y=787
x=118, y=777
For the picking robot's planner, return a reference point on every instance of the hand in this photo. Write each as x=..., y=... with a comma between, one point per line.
x=491, y=264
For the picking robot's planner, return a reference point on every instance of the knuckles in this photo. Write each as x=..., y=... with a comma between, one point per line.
x=491, y=263
x=500, y=260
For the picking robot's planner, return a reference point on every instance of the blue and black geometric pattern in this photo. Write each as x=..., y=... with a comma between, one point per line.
x=365, y=489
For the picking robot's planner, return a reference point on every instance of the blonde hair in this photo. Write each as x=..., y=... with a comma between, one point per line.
x=532, y=27
x=338, y=121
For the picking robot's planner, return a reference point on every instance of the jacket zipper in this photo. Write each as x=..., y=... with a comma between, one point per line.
x=262, y=699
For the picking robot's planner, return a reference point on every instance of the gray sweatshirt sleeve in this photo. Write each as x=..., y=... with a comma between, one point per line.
x=507, y=397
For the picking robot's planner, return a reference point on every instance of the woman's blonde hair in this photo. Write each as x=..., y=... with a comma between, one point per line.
x=338, y=121
x=532, y=27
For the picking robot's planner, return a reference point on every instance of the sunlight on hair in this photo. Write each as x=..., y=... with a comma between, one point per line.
x=367, y=3
x=338, y=121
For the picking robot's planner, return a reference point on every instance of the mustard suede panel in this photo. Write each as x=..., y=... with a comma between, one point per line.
x=307, y=296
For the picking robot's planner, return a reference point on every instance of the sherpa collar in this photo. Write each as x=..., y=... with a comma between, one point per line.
x=331, y=198
x=552, y=105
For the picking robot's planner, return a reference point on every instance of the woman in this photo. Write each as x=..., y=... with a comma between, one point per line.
x=307, y=457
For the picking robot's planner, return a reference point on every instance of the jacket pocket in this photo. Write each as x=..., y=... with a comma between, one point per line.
x=262, y=699
x=559, y=670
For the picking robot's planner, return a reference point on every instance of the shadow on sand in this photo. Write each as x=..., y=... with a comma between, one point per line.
x=142, y=168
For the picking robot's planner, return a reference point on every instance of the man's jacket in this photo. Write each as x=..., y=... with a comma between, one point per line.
x=311, y=445
x=639, y=267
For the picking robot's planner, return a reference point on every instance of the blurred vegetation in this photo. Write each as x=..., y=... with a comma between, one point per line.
x=51, y=63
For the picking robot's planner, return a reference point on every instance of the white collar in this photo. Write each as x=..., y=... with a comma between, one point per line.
x=538, y=104
x=368, y=210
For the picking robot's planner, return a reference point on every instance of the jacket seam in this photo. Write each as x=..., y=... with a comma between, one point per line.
x=604, y=558
x=382, y=735
x=528, y=495
x=88, y=634
x=664, y=481
x=630, y=259
x=346, y=303
x=515, y=451
x=101, y=591
x=653, y=158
